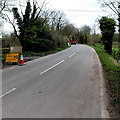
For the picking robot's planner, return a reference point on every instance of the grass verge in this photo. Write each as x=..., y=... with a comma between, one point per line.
x=112, y=71
x=29, y=53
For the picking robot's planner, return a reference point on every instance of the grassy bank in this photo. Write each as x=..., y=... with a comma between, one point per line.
x=112, y=71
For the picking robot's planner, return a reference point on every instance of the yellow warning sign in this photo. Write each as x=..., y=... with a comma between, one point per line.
x=12, y=57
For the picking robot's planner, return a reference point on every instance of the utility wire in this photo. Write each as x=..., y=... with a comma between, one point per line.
x=80, y=10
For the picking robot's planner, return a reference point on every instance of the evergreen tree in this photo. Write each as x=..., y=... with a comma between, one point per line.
x=34, y=31
x=107, y=26
x=23, y=24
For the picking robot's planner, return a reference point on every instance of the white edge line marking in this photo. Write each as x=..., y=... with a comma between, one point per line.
x=52, y=67
x=72, y=55
x=104, y=111
x=8, y=92
x=78, y=50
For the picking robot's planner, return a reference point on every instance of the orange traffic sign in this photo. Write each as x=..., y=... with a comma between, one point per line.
x=12, y=57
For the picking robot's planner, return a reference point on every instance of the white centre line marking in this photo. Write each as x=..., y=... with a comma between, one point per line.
x=78, y=50
x=8, y=92
x=52, y=67
x=72, y=55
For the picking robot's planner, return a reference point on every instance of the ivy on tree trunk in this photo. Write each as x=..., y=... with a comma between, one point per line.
x=107, y=26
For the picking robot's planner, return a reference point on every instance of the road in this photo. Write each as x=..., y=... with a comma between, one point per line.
x=63, y=85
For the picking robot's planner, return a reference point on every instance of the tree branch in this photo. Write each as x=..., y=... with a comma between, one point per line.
x=3, y=6
x=40, y=8
x=20, y=8
x=34, y=10
x=107, y=4
x=114, y=7
x=15, y=31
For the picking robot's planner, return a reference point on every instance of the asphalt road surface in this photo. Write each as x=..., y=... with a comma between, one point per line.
x=63, y=85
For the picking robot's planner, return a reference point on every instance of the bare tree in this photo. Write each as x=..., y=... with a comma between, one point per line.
x=112, y=4
x=6, y=5
x=2, y=5
x=57, y=20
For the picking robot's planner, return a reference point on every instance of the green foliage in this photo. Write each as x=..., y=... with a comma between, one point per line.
x=105, y=58
x=9, y=40
x=17, y=16
x=39, y=36
x=107, y=26
x=116, y=37
x=4, y=52
x=115, y=53
x=34, y=31
x=28, y=9
x=84, y=35
x=59, y=40
x=94, y=38
x=23, y=24
x=69, y=30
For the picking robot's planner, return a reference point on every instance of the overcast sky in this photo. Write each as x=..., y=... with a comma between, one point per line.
x=78, y=12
